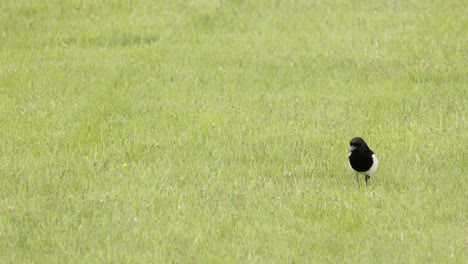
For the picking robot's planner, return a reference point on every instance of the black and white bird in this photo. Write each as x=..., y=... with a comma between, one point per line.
x=361, y=158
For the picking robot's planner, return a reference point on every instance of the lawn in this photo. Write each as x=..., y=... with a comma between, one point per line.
x=212, y=131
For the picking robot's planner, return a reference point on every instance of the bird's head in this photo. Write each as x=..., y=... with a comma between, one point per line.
x=356, y=143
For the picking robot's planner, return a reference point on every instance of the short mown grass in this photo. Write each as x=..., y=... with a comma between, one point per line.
x=214, y=131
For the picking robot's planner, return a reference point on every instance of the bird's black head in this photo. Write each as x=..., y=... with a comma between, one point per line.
x=356, y=142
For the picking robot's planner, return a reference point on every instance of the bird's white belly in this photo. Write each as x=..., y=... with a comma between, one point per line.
x=375, y=163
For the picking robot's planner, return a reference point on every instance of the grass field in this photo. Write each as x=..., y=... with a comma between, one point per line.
x=212, y=131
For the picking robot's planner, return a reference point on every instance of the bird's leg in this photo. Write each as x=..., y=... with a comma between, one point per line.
x=367, y=178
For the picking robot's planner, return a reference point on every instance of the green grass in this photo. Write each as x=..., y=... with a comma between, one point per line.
x=214, y=131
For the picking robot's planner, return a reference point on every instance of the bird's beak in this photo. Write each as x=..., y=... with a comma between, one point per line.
x=351, y=148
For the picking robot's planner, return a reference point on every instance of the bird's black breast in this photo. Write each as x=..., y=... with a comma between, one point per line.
x=361, y=161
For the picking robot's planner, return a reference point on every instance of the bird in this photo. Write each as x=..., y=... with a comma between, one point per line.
x=361, y=158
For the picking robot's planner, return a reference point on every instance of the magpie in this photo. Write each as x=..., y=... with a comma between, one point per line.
x=361, y=158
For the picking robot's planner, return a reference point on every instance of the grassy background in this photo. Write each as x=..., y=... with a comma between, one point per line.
x=217, y=131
